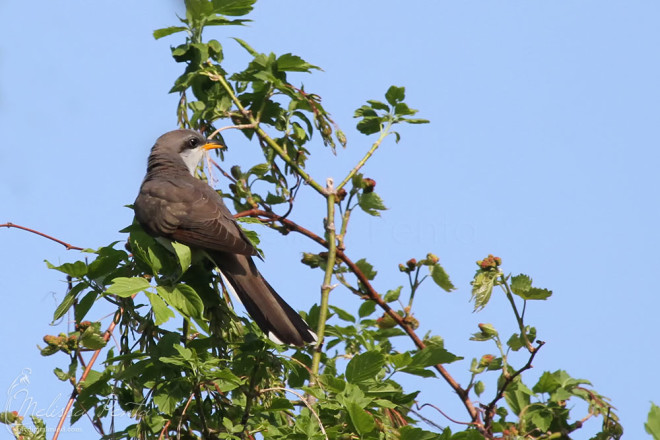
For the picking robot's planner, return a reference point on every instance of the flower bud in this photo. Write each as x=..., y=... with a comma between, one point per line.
x=340, y=195
x=369, y=185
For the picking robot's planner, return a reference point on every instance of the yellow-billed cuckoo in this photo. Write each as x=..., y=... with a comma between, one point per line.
x=174, y=204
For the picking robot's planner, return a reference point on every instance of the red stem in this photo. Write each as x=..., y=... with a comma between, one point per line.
x=377, y=298
x=63, y=243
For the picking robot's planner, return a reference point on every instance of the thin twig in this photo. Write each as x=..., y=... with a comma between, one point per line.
x=183, y=413
x=237, y=127
x=281, y=152
x=300, y=396
x=377, y=298
x=74, y=393
x=63, y=243
x=420, y=407
x=490, y=408
x=370, y=152
x=224, y=173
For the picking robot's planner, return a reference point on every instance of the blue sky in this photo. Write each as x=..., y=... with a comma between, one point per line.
x=542, y=149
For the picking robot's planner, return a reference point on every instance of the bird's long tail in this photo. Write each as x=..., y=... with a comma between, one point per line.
x=271, y=313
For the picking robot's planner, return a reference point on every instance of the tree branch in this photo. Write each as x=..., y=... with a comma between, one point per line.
x=490, y=408
x=372, y=150
x=74, y=393
x=63, y=243
x=327, y=278
x=377, y=298
x=270, y=141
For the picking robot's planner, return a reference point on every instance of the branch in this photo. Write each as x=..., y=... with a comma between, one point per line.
x=490, y=408
x=74, y=394
x=270, y=141
x=302, y=399
x=372, y=150
x=521, y=325
x=63, y=243
x=327, y=278
x=238, y=127
x=377, y=298
x=420, y=407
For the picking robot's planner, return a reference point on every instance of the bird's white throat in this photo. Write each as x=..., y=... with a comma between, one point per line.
x=192, y=157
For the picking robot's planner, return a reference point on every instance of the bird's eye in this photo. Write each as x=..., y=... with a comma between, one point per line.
x=193, y=143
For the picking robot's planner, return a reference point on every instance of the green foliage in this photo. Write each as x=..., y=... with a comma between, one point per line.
x=182, y=364
x=652, y=424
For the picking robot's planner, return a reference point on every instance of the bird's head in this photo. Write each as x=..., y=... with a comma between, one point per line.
x=190, y=145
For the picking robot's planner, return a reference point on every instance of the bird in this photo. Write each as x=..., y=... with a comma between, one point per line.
x=174, y=204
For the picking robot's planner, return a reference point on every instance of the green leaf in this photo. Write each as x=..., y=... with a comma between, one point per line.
x=395, y=95
x=537, y=294
x=652, y=425
x=222, y=21
x=392, y=295
x=547, y=383
x=370, y=125
x=400, y=360
x=233, y=8
x=371, y=203
x=366, y=308
x=259, y=170
x=482, y=288
x=184, y=352
x=105, y=263
x=343, y=315
x=415, y=120
x=357, y=180
x=225, y=380
x=76, y=270
x=166, y=401
x=184, y=299
x=162, y=313
x=84, y=305
x=61, y=374
x=402, y=109
x=125, y=287
x=247, y=47
x=91, y=339
x=409, y=432
x=517, y=397
x=363, y=421
x=366, y=111
x=149, y=252
x=521, y=285
x=184, y=255
x=366, y=268
x=312, y=260
x=293, y=63
x=164, y=32
x=541, y=417
x=68, y=301
x=515, y=342
x=378, y=105
x=441, y=277
x=479, y=388
x=364, y=366
x=433, y=355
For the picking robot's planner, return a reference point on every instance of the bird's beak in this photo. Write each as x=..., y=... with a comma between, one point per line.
x=212, y=145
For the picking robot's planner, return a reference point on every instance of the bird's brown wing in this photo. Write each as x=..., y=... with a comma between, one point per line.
x=191, y=212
